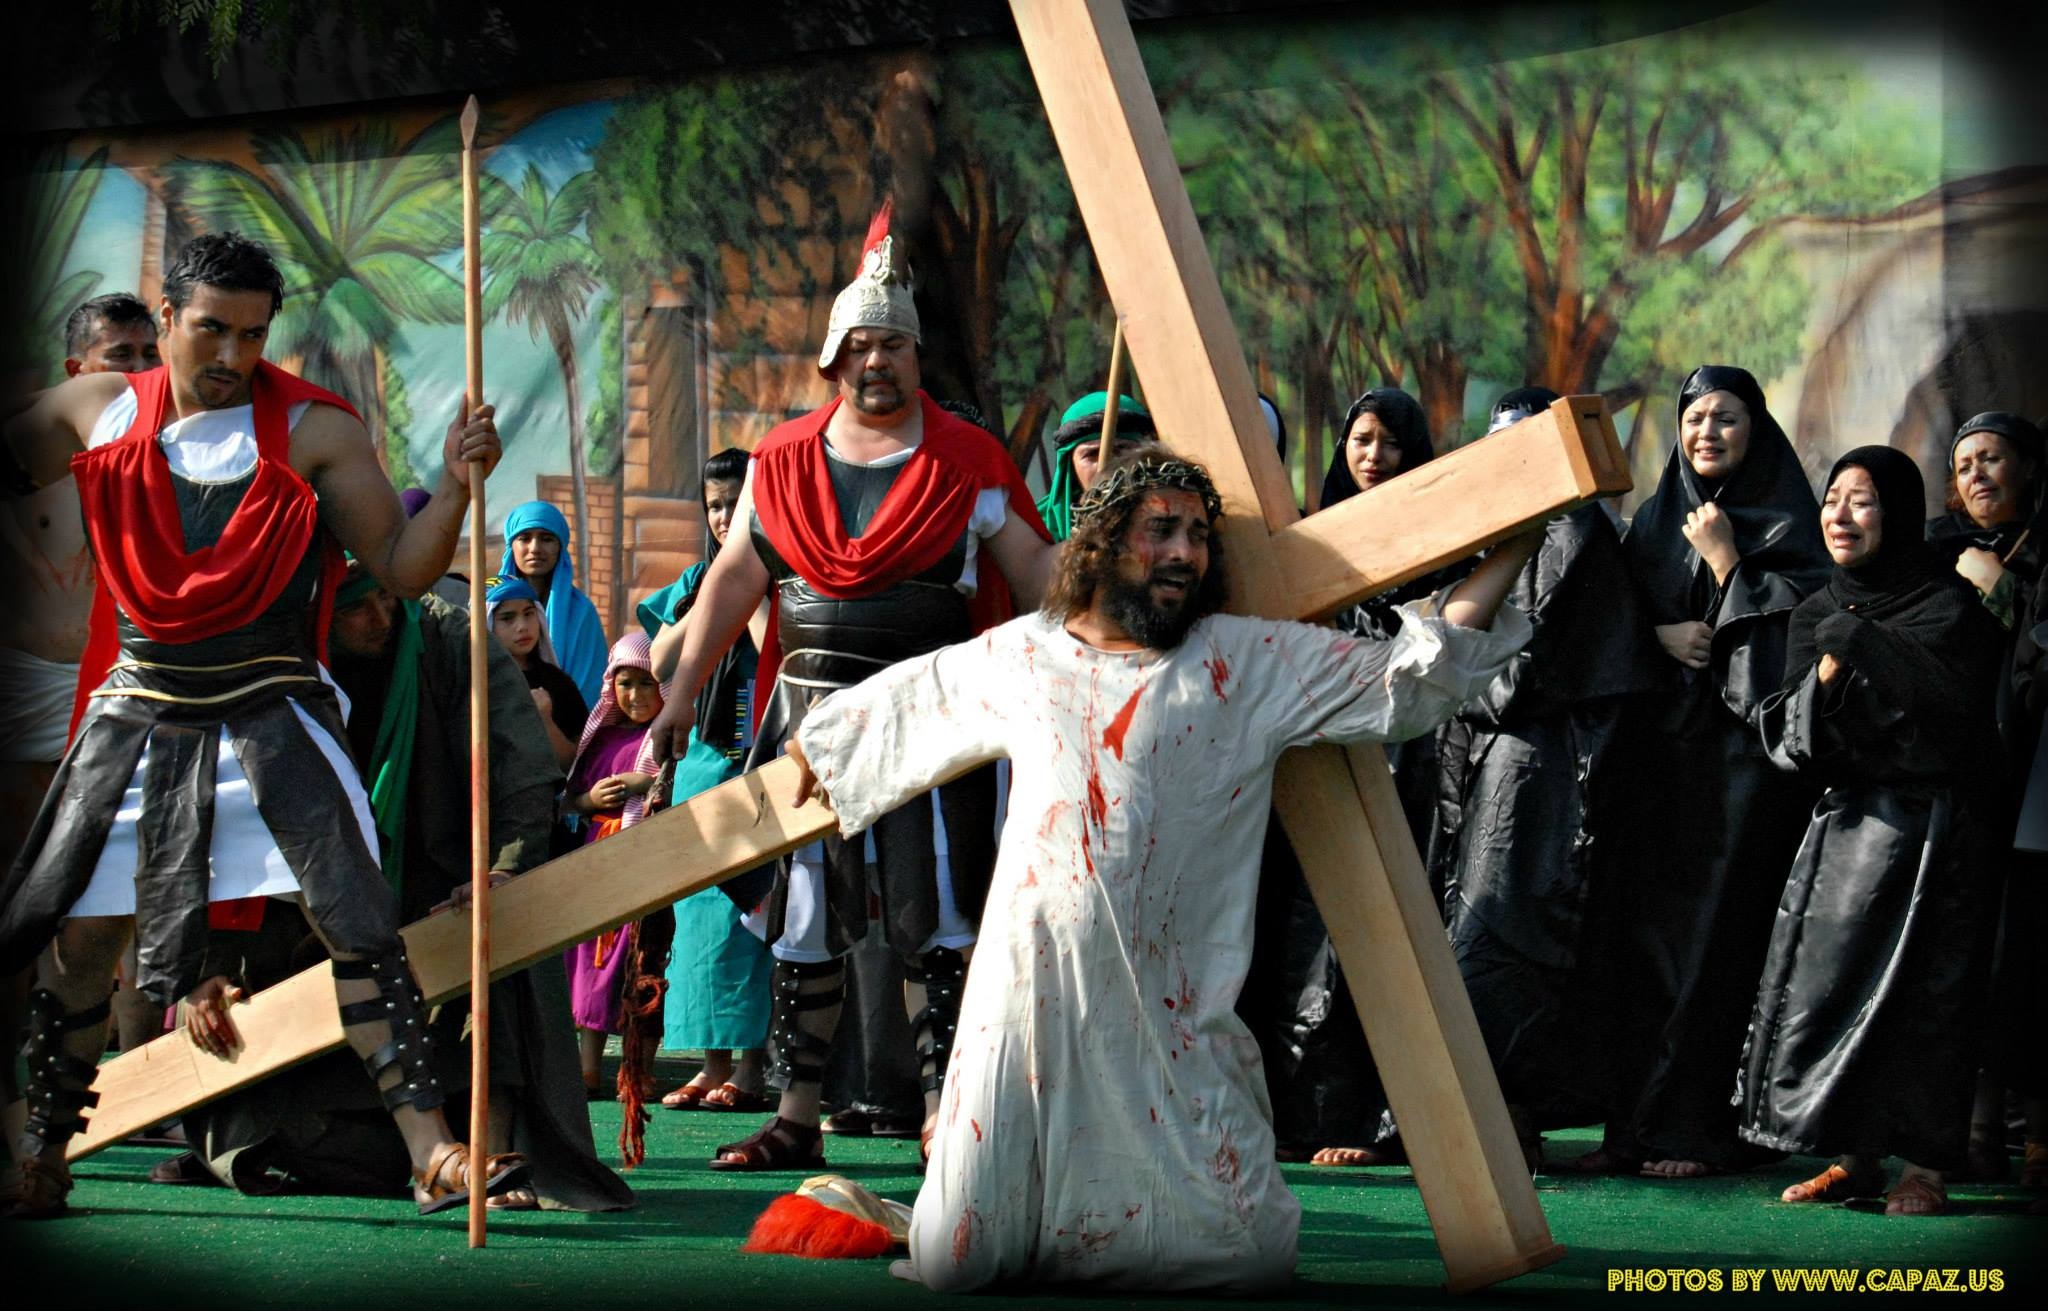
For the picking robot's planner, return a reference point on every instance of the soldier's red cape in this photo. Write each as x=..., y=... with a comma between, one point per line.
x=138, y=544
x=923, y=514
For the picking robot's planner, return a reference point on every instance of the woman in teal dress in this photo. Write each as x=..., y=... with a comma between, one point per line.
x=718, y=972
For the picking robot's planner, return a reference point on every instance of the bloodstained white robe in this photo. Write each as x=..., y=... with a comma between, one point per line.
x=1104, y=1116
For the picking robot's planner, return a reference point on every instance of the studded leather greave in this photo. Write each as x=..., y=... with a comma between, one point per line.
x=943, y=972
x=799, y=1051
x=59, y=1081
x=406, y=1048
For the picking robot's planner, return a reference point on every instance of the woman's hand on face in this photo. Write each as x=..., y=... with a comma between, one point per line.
x=1713, y=536
x=1983, y=568
x=1689, y=642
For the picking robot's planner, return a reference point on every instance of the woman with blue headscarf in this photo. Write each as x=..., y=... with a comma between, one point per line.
x=537, y=550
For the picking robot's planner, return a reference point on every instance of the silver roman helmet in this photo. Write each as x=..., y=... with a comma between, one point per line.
x=878, y=296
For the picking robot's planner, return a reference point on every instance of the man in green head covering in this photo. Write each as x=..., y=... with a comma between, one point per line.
x=1076, y=447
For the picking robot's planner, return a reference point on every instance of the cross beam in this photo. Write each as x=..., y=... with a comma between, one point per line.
x=1338, y=807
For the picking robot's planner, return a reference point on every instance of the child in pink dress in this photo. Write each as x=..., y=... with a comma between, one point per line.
x=608, y=788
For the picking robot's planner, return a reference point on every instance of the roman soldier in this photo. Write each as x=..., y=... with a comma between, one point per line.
x=880, y=527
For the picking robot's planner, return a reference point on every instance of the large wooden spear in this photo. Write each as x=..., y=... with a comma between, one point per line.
x=479, y=705
x=1112, y=408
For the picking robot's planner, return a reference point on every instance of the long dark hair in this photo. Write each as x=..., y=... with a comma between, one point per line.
x=1090, y=554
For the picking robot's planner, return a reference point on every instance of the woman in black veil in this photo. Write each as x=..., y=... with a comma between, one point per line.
x=1726, y=547
x=1864, y=1038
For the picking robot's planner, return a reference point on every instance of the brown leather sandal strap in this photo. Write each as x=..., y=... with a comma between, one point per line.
x=430, y=1177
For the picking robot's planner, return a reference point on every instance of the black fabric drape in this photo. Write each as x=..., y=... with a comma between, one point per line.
x=1683, y=901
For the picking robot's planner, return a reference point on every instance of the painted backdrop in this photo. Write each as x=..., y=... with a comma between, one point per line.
x=1454, y=206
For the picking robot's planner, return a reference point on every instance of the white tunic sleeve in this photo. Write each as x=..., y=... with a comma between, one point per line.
x=919, y=722
x=1323, y=685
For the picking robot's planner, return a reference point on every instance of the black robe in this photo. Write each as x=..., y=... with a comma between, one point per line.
x=1320, y=1075
x=1685, y=899
x=1527, y=796
x=2018, y=997
x=322, y=1123
x=1865, y=1033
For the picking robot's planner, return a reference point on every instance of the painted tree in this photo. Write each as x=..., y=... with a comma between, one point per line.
x=1435, y=215
x=541, y=272
x=361, y=226
x=49, y=202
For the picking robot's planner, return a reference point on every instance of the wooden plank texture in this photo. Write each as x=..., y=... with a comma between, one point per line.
x=685, y=849
x=1446, y=509
x=1483, y=1208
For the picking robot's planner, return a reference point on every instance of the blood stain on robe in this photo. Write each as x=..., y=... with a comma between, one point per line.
x=963, y=1236
x=1113, y=737
x=1219, y=676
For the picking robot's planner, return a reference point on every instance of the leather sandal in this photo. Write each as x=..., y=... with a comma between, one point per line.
x=854, y=1122
x=1833, y=1184
x=777, y=1145
x=184, y=1168
x=1916, y=1194
x=445, y=1181
x=43, y=1188
x=732, y=1097
x=689, y=1097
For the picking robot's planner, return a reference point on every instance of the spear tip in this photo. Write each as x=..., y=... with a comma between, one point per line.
x=469, y=117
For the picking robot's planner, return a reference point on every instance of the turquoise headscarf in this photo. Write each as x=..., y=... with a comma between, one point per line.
x=1083, y=423
x=573, y=626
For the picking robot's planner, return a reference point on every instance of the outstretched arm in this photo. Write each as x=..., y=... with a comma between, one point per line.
x=360, y=506
x=733, y=587
x=36, y=445
x=1474, y=602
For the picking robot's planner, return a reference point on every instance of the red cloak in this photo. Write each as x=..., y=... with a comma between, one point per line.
x=140, y=562
x=921, y=516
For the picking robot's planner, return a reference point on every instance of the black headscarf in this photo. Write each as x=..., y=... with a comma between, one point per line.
x=1903, y=618
x=1519, y=404
x=1955, y=531
x=1767, y=501
x=1402, y=414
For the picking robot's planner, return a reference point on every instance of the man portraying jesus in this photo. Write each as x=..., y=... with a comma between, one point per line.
x=1104, y=1117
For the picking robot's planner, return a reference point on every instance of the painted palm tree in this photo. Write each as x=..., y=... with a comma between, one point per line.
x=542, y=272
x=357, y=222
x=51, y=201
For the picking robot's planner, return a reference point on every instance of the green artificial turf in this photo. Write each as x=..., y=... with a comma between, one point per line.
x=1364, y=1239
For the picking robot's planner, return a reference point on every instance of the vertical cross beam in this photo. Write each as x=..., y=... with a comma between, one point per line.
x=1338, y=807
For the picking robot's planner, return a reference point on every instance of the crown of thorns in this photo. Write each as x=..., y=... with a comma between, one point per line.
x=1125, y=483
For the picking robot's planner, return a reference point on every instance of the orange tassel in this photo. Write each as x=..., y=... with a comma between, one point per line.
x=799, y=1226
x=638, y=1044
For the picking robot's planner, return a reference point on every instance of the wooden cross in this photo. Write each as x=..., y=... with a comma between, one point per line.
x=1338, y=805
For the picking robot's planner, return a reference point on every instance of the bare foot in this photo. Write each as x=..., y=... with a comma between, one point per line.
x=1348, y=1156
x=1604, y=1160
x=1677, y=1170
x=1918, y=1192
x=514, y=1199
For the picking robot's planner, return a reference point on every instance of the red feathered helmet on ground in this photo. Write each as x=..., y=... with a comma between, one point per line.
x=878, y=296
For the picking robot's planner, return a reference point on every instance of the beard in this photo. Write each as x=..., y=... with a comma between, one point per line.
x=1161, y=627
x=878, y=393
